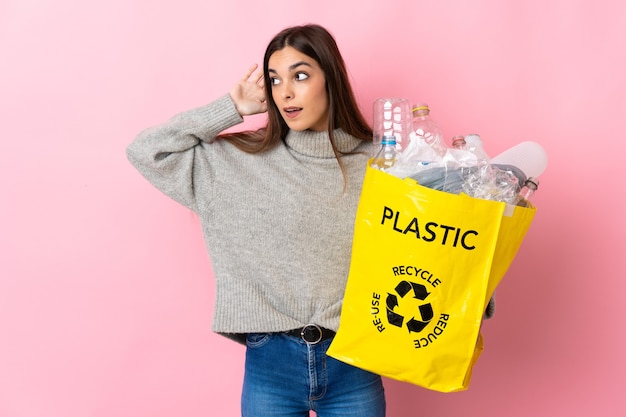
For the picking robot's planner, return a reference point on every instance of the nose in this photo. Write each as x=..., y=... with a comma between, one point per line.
x=287, y=91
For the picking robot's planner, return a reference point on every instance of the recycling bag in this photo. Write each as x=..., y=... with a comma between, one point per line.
x=424, y=266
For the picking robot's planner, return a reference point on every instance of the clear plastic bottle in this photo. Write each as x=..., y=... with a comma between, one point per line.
x=387, y=155
x=526, y=193
x=424, y=127
x=474, y=144
x=392, y=117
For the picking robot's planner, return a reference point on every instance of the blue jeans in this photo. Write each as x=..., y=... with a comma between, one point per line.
x=285, y=376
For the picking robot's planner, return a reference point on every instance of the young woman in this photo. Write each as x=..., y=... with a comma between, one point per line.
x=277, y=208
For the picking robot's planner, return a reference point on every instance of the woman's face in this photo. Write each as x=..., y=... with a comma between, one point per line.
x=299, y=89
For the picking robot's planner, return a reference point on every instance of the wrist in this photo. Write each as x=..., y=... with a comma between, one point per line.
x=237, y=106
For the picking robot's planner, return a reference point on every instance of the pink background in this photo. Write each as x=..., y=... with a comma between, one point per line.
x=105, y=288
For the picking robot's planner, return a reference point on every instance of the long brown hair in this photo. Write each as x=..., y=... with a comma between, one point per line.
x=317, y=43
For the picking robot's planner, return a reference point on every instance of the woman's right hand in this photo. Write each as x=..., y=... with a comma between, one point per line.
x=249, y=93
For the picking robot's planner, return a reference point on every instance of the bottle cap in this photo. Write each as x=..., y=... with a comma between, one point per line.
x=528, y=156
x=459, y=139
x=532, y=183
x=389, y=140
x=421, y=108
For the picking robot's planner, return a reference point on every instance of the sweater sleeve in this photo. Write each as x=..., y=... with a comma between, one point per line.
x=166, y=155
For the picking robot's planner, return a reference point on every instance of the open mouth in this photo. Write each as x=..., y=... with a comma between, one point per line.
x=292, y=111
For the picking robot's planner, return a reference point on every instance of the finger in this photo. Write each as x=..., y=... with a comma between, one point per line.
x=250, y=71
x=260, y=79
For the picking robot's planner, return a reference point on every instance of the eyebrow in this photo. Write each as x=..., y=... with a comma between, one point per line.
x=292, y=66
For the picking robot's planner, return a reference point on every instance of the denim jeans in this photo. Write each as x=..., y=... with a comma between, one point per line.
x=285, y=376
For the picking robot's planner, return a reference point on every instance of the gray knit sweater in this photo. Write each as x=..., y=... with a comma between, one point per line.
x=277, y=225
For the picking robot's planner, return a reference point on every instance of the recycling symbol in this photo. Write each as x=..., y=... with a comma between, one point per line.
x=424, y=312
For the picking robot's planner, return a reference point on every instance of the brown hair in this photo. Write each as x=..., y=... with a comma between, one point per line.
x=317, y=43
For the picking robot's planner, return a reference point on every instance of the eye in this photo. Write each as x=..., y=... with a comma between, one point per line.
x=274, y=81
x=301, y=76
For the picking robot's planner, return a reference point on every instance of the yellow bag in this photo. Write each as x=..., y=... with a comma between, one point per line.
x=424, y=266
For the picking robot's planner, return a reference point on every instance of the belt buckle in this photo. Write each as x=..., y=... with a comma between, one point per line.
x=315, y=327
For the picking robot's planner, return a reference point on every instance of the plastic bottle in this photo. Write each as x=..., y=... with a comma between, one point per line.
x=526, y=193
x=424, y=127
x=474, y=144
x=392, y=117
x=387, y=155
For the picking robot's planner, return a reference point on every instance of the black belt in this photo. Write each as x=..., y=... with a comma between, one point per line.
x=311, y=333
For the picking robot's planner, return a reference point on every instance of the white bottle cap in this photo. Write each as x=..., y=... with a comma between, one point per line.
x=528, y=156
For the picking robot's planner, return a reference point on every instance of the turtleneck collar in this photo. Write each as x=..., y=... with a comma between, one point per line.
x=317, y=144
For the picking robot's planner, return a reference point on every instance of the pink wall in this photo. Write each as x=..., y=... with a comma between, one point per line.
x=105, y=288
